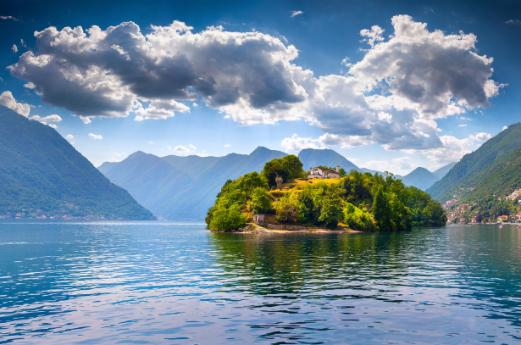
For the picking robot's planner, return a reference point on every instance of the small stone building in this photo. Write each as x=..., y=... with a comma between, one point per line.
x=321, y=172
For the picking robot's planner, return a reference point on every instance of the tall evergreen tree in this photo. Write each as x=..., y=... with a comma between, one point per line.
x=381, y=210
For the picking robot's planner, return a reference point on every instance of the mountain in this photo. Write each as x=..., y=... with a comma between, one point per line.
x=441, y=172
x=420, y=178
x=315, y=157
x=493, y=169
x=42, y=175
x=182, y=188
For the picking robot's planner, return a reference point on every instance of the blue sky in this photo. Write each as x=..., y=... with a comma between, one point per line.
x=308, y=76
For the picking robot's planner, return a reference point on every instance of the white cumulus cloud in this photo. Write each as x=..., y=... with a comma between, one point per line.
x=372, y=35
x=394, y=95
x=453, y=148
x=70, y=138
x=7, y=100
x=24, y=109
x=95, y=136
x=296, y=143
x=160, y=110
x=184, y=149
x=49, y=120
x=6, y=18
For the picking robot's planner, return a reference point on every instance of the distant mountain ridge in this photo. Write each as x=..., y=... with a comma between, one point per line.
x=423, y=178
x=315, y=157
x=184, y=187
x=441, y=172
x=420, y=178
x=43, y=176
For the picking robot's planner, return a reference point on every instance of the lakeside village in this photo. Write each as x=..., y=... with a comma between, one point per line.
x=503, y=210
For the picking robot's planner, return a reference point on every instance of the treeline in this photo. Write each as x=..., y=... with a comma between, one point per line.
x=360, y=201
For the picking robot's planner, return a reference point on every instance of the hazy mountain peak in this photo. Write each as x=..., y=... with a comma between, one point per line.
x=140, y=154
x=262, y=150
x=420, y=177
x=420, y=170
x=315, y=157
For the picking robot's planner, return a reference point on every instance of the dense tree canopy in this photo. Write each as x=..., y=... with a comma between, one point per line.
x=288, y=167
x=360, y=201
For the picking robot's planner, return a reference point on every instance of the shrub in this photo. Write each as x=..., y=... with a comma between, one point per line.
x=286, y=208
x=227, y=218
x=330, y=212
x=358, y=218
x=260, y=201
x=307, y=212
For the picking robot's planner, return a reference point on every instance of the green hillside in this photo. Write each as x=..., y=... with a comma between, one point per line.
x=489, y=169
x=42, y=176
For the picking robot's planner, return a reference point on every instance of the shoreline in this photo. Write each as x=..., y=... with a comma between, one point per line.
x=252, y=228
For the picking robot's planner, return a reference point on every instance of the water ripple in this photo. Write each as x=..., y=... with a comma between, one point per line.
x=151, y=283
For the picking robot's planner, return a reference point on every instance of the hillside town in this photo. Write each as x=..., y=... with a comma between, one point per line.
x=471, y=213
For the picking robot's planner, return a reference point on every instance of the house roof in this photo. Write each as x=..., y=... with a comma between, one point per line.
x=328, y=170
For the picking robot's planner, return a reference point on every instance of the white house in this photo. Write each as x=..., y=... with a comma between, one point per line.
x=320, y=172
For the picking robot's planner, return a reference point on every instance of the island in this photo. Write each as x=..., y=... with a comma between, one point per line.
x=285, y=197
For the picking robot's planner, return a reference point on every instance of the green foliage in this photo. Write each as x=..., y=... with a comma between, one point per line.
x=330, y=211
x=493, y=169
x=286, y=208
x=232, y=199
x=288, y=167
x=260, y=201
x=424, y=210
x=358, y=186
x=382, y=210
x=227, y=218
x=358, y=218
x=307, y=211
x=361, y=200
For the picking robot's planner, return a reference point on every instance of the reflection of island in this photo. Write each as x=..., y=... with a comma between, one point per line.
x=459, y=269
x=288, y=263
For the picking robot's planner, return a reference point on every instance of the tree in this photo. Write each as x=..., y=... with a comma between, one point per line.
x=381, y=210
x=293, y=166
x=330, y=212
x=288, y=168
x=358, y=218
x=227, y=218
x=286, y=208
x=260, y=201
x=307, y=212
x=357, y=187
x=272, y=169
x=400, y=217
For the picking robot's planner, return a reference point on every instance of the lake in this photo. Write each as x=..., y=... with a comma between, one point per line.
x=153, y=283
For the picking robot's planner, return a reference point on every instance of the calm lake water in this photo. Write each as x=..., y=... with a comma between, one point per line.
x=152, y=283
